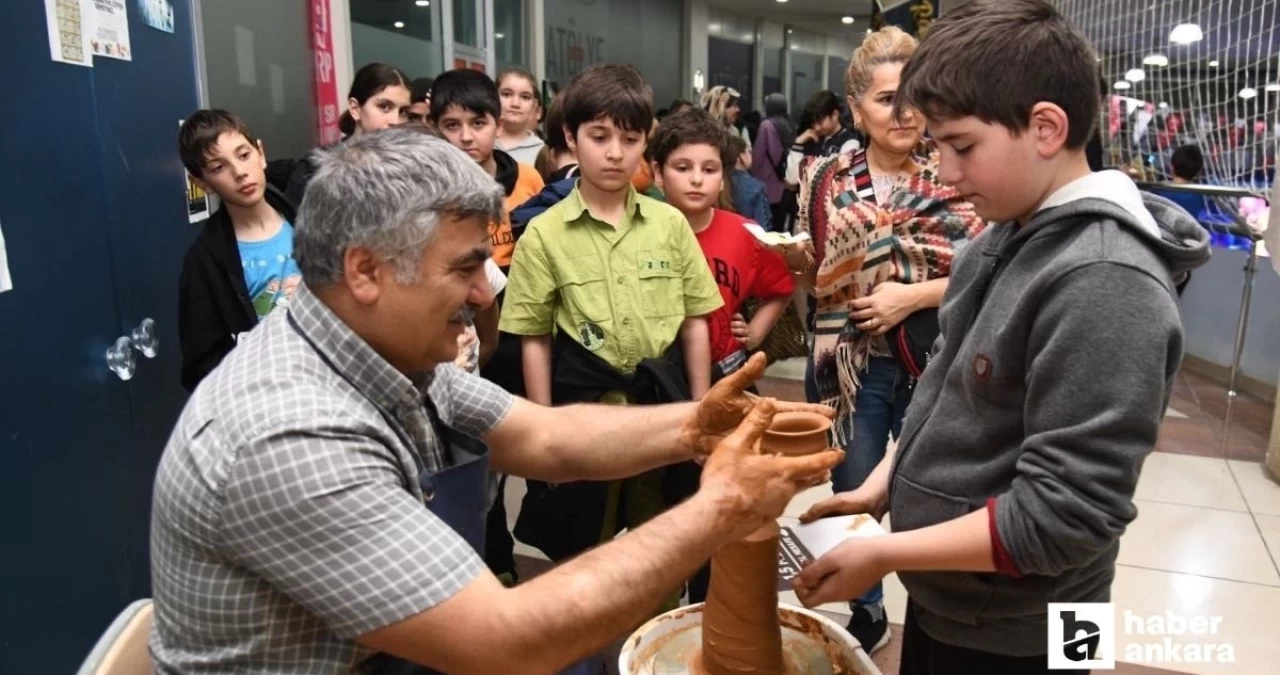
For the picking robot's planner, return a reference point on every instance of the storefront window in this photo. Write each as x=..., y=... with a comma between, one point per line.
x=808, y=52
x=731, y=54
x=646, y=35
x=508, y=35
x=464, y=23
x=258, y=65
x=835, y=74
x=404, y=33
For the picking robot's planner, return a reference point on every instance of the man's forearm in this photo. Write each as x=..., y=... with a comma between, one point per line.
x=695, y=339
x=603, y=442
x=578, y=608
x=536, y=353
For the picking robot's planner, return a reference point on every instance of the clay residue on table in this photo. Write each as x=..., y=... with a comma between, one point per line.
x=741, y=633
x=811, y=627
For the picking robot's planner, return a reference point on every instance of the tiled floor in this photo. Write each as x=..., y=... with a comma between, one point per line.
x=1205, y=542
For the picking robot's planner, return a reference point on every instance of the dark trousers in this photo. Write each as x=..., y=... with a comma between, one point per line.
x=923, y=655
x=499, y=547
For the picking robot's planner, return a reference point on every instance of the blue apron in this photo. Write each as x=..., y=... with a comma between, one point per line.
x=457, y=494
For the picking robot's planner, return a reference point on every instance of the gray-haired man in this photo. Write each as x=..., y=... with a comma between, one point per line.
x=319, y=504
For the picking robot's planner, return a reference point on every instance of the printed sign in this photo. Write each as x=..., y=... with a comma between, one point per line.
x=326, y=89
x=799, y=545
x=70, y=24
x=111, y=30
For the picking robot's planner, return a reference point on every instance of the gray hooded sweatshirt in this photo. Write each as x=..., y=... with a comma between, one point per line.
x=1058, y=349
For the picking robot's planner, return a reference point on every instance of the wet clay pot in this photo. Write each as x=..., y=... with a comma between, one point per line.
x=797, y=433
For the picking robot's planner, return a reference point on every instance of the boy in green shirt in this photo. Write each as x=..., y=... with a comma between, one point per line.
x=620, y=278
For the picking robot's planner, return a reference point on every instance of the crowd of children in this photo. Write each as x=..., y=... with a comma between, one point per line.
x=958, y=227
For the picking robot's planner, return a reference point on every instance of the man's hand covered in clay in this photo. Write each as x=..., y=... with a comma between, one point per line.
x=728, y=403
x=756, y=487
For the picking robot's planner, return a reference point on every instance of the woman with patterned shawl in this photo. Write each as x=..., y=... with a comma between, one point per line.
x=885, y=231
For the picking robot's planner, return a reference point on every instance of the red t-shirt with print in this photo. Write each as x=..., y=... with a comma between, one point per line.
x=743, y=268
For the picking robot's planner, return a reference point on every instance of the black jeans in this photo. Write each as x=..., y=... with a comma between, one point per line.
x=923, y=655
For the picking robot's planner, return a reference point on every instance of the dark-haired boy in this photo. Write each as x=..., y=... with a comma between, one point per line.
x=1014, y=475
x=241, y=266
x=621, y=279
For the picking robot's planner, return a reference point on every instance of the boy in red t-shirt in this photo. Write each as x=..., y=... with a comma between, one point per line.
x=688, y=164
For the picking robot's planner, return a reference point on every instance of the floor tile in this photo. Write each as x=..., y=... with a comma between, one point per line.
x=1270, y=528
x=1189, y=480
x=1260, y=492
x=1195, y=540
x=1247, y=611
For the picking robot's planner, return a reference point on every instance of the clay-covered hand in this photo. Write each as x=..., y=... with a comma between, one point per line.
x=869, y=498
x=727, y=403
x=752, y=488
x=844, y=573
x=887, y=306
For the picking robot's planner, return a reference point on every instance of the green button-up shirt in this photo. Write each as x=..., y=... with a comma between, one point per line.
x=621, y=292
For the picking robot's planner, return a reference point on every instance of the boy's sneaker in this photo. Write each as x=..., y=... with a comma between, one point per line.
x=870, y=626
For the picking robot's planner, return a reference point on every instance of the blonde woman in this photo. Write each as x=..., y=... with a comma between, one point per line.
x=724, y=105
x=884, y=231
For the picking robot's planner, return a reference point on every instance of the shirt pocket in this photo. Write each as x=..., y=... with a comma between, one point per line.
x=661, y=285
x=581, y=285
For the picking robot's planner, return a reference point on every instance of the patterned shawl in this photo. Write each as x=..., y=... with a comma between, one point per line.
x=913, y=237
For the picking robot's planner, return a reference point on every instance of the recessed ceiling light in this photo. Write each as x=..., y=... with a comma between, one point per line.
x=868, y=31
x=1273, y=87
x=1122, y=84
x=788, y=31
x=1213, y=63
x=782, y=0
x=1158, y=60
x=846, y=20
x=1248, y=92
x=713, y=27
x=498, y=36
x=399, y=24
x=1185, y=34
x=423, y=3
x=1163, y=105
x=1135, y=75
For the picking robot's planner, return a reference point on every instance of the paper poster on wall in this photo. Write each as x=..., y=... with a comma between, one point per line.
x=70, y=24
x=245, y=64
x=157, y=13
x=6, y=283
x=110, y=36
x=197, y=199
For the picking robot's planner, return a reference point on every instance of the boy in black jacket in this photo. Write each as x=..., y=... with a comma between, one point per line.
x=241, y=266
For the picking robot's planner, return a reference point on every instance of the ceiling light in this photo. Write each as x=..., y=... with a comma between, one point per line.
x=782, y=0
x=1122, y=84
x=1213, y=63
x=868, y=31
x=1185, y=34
x=1158, y=60
x=1163, y=105
x=398, y=24
x=713, y=27
x=788, y=31
x=423, y=3
x=498, y=36
x=1135, y=75
x=1273, y=87
x=846, y=20
x=1248, y=93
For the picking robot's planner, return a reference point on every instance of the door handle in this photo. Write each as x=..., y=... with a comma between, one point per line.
x=120, y=358
x=145, y=340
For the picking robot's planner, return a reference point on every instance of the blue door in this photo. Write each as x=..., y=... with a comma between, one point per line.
x=93, y=214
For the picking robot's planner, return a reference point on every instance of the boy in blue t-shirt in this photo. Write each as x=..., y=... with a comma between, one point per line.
x=241, y=266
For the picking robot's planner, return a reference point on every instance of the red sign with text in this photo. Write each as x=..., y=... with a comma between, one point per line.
x=326, y=89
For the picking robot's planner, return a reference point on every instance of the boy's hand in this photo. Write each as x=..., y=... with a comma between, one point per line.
x=869, y=498
x=741, y=332
x=728, y=403
x=887, y=306
x=844, y=573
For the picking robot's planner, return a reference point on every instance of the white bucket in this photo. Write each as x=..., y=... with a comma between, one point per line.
x=637, y=656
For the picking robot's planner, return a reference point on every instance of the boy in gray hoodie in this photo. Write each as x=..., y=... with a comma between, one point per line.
x=1014, y=475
